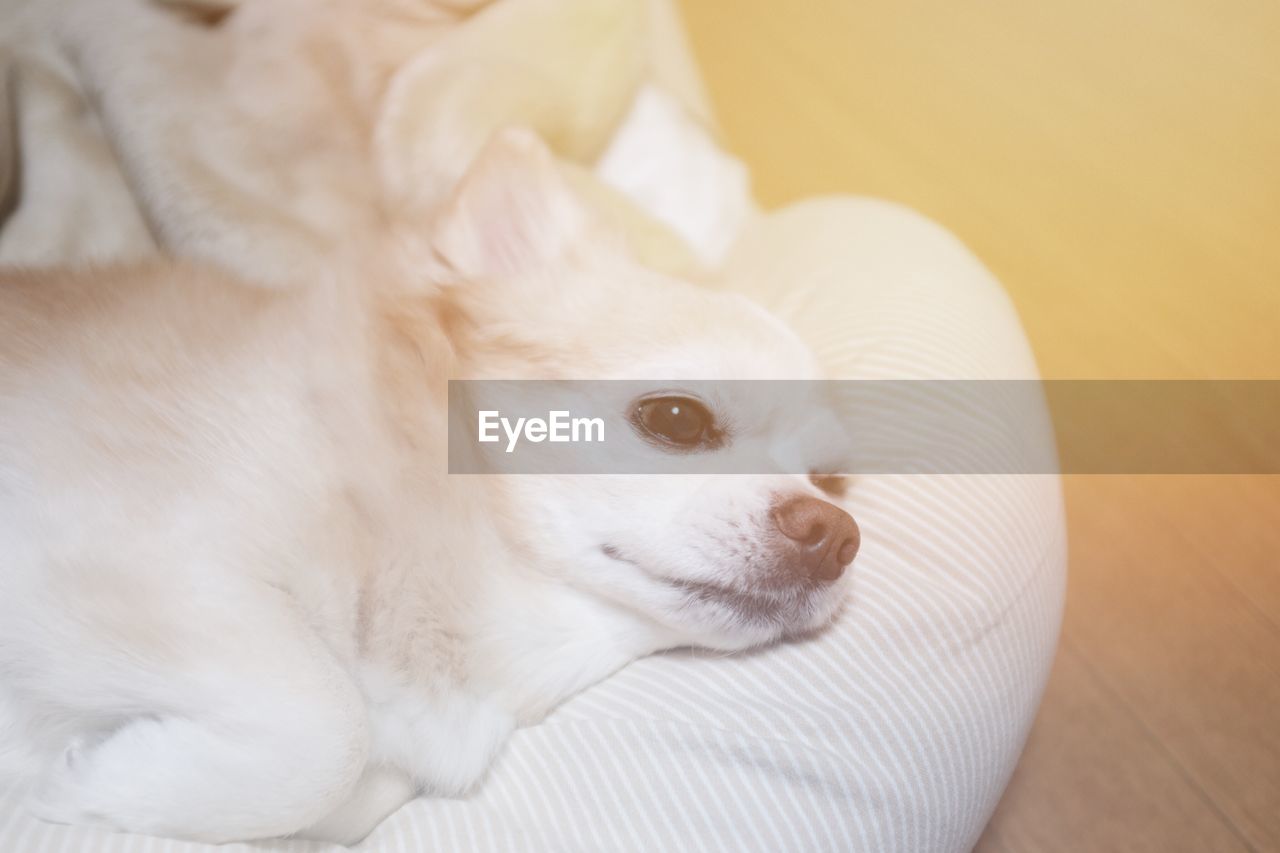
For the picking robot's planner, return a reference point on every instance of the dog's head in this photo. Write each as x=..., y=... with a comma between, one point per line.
x=725, y=561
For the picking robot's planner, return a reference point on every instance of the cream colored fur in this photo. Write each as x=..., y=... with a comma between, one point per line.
x=257, y=143
x=243, y=599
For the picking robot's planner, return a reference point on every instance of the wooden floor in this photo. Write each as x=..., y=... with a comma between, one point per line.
x=1117, y=164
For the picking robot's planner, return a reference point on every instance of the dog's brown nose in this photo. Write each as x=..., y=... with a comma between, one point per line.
x=824, y=538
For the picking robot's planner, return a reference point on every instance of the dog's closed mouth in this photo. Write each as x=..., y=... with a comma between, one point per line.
x=614, y=554
x=749, y=605
x=746, y=605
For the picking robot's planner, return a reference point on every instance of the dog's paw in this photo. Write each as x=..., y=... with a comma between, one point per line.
x=62, y=795
x=89, y=785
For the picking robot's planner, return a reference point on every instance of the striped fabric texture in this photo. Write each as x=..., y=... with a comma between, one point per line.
x=895, y=730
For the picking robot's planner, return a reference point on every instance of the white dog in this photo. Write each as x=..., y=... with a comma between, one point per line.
x=243, y=599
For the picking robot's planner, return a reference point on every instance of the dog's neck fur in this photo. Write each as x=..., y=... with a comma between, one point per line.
x=448, y=600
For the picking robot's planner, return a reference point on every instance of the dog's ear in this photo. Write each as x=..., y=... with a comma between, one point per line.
x=512, y=211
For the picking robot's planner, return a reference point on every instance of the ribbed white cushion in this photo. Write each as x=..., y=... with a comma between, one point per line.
x=894, y=731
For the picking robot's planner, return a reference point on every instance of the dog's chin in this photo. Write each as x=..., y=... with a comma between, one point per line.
x=732, y=618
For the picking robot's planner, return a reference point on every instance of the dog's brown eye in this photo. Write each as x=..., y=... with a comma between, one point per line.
x=679, y=421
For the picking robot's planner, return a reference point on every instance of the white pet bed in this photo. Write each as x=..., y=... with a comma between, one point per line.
x=894, y=731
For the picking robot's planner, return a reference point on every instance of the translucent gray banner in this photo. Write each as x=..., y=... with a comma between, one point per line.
x=865, y=427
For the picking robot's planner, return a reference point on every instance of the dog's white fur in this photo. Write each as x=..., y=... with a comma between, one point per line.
x=243, y=599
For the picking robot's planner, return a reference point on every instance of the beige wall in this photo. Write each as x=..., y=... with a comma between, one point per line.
x=1117, y=163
